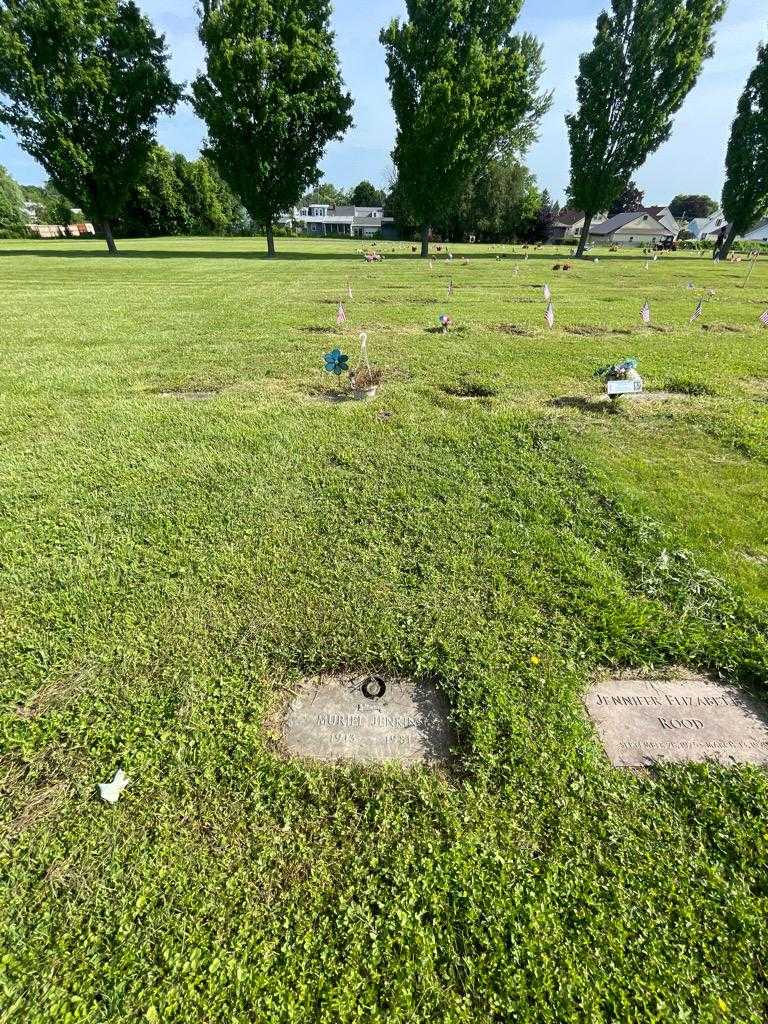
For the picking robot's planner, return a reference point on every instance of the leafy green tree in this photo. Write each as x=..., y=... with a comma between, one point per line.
x=541, y=226
x=366, y=194
x=12, y=218
x=55, y=208
x=271, y=97
x=83, y=86
x=213, y=208
x=689, y=207
x=464, y=90
x=646, y=57
x=745, y=195
x=156, y=204
x=630, y=198
x=176, y=196
x=325, y=194
x=500, y=204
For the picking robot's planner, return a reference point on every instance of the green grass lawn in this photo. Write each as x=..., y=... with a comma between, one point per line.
x=169, y=568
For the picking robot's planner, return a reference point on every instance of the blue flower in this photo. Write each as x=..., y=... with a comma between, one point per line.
x=336, y=362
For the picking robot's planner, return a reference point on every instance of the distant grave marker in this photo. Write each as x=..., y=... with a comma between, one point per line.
x=189, y=396
x=369, y=718
x=690, y=718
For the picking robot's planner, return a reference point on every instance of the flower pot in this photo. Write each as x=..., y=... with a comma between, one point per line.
x=362, y=393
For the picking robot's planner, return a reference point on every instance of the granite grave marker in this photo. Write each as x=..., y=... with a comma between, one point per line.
x=643, y=721
x=367, y=718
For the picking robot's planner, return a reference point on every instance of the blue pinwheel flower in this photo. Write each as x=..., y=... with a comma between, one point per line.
x=336, y=362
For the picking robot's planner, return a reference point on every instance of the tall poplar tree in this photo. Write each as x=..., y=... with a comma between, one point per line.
x=83, y=84
x=272, y=99
x=646, y=58
x=464, y=90
x=745, y=195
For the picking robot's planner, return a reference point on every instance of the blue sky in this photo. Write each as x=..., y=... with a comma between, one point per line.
x=692, y=161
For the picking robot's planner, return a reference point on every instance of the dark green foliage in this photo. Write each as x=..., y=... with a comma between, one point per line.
x=11, y=205
x=325, y=193
x=685, y=207
x=630, y=198
x=366, y=194
x=745, y=194
x=84, y=84
x=464, y=89
x=500, y=204
x=271, y=97
x=646, y=57
x=176, y=196
x=540, y=228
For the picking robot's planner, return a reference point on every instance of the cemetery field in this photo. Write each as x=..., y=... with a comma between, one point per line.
x=189, y=526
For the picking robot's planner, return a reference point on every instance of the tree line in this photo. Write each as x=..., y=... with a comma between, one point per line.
x=83, y=86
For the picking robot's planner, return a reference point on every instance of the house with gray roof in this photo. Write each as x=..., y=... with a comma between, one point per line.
x=636, y=228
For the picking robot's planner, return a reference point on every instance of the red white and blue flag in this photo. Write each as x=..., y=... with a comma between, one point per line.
x=341, y=316
x=549, y=316
x=764, y=319
x=547, y=293
x=698, y=311
x=645, y=312
x=450, y=288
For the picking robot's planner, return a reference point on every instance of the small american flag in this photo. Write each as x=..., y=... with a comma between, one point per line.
x=450, y=289
x=764, y=319
x=698, y=311
x=645, y=312
x=547, y=293
x=349, y=290
x=341, y=316
x=549, y=316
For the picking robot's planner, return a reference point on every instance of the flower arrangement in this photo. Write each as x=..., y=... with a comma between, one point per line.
x=619, y=371
x=445, y=322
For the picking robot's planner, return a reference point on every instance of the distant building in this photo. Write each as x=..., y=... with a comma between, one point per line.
x=569, y=224
x=664, y=216
x=635, y=228
x=326, y=221
x=707, y=228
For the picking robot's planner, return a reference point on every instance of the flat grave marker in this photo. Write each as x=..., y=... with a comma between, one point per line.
x=368, y=718
x=643, y=721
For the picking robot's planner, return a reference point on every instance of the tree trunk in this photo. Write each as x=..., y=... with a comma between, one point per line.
x=270, y=239
x=730, y=238
x=110, y=240
x=425, y=240
x=584, y=235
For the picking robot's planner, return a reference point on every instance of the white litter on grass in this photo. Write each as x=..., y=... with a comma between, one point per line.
x=110, y=791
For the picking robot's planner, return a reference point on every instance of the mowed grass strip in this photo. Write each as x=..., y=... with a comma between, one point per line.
x=171, y=567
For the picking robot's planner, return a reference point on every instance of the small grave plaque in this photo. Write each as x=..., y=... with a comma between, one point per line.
x=367, y=718
x=624, y=387
x=689, y=718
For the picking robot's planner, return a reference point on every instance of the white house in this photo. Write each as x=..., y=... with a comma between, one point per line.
x=324, y=220
x=707, y=228
x=665, y=217
x=636, y=228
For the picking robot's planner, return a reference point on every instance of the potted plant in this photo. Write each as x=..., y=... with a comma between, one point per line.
x=365, y=382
